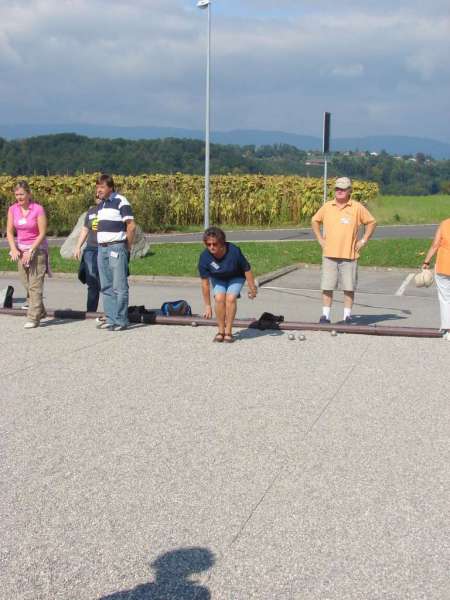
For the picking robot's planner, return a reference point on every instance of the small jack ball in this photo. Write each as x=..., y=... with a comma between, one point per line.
x=291, y=336
x=194, y=324
x=334, y=333
x=302, y=337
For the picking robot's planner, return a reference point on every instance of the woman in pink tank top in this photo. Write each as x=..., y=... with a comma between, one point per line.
x=27, y=219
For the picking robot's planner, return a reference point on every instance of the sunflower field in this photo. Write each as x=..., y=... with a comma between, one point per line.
x=162, y=202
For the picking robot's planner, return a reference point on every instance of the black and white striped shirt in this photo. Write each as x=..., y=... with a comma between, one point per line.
x=112, y=216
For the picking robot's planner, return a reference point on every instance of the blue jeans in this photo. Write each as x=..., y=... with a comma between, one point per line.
x=113, y=271
x=92, y=277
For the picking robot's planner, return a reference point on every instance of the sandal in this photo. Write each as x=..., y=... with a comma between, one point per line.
x=219, y=337
x=228, y=338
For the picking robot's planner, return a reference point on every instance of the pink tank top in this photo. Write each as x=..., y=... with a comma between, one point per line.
x=27, y=226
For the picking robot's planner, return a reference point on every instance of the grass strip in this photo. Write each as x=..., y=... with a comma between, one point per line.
x=181, y=259
x=410, y=210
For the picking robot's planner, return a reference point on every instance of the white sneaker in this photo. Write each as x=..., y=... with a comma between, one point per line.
x=446, y=336
x=24, y=306
x=31, y=325
x=105, y=325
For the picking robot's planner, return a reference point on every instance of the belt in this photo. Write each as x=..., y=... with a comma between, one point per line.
x=105, y=244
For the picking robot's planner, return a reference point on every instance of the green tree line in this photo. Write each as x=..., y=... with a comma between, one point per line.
x=73, y=154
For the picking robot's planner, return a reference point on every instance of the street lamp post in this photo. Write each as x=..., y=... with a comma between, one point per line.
x=206, y=4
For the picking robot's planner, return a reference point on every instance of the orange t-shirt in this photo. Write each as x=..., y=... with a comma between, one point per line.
x=341, y=226
x=443, y=253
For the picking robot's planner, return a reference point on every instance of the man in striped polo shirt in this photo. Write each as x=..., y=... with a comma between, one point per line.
x=115, y=234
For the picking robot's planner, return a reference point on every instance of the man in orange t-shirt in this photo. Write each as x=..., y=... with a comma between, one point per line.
x=441, y=245
x=341, y=219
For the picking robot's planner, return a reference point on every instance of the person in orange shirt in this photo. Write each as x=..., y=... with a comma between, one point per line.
x=441, y=245
x=341, y=219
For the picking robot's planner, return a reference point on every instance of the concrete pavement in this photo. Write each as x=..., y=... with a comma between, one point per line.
x=276, y=235
x=293, y=470
x=297, y=233
x=152, y=464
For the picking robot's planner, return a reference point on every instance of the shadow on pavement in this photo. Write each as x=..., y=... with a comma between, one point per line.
x=251, y=334
x=372, y=319
x=52, y=322
x=173, y=572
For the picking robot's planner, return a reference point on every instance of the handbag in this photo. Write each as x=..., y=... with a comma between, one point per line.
x=267, y=321
x=6, y=297
x=424, y=278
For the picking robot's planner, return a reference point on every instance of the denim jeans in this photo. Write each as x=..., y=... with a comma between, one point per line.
x=92, y=277
x=231, y=286
x=113, y=271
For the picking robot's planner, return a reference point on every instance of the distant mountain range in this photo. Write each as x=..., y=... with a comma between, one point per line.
x=393, y=144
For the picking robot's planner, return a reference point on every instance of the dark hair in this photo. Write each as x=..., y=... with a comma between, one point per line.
x=23, y=185
x=215, y=232
x=104, y=178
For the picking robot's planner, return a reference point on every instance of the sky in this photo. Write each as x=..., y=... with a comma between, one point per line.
x=380, y=67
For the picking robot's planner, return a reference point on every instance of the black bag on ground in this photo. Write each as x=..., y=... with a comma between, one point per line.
x=139, y=314
x=177, y=308
x=149, y=317
x=267, y=321
x=6, y=297
x=135, y=313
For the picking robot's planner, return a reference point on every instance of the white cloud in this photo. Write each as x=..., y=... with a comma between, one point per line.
x=143, y=63
x=350, y=71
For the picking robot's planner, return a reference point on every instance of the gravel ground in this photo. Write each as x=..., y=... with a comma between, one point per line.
x=152, y=464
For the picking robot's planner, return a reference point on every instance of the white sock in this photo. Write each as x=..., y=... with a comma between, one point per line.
x=347, y=312
x=326, y=311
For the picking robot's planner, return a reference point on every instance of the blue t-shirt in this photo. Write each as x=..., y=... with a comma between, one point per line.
x=232, y=264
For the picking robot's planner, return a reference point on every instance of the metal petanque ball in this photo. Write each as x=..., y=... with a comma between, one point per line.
x=291, y=336
x=333, y=332
x=302, y=337
x=194, y=324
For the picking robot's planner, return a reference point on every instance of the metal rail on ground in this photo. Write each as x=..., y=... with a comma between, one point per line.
x=380, y=330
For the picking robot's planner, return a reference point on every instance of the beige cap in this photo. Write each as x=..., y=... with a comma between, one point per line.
x=343, y=183
x=424, y=278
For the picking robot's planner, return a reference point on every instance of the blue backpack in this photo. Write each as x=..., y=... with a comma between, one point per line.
x=177, y=308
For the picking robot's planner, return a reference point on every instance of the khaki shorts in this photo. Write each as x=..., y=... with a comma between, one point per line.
x=335, y=269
